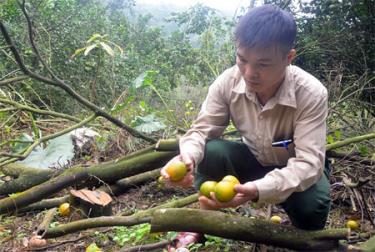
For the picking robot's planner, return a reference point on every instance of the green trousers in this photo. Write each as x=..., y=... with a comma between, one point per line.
x=307, y=210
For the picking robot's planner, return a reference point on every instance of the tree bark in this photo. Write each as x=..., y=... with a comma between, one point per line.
x=245, y=229
x=25, y=178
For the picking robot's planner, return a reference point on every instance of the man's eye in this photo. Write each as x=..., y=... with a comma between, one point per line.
x=263, y=65
x=242, y=60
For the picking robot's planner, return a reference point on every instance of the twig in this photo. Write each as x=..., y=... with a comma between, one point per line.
x=13, y=80
x=366, y=207
x=42, y=228
x=147, y=247
x=351, y=157
x=58, y=243
x=39, y=111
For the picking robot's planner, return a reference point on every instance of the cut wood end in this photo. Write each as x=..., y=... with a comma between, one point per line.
x=94, y=197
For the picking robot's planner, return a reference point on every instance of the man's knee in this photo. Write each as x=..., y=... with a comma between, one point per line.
x=312, y=216
x=309, y=209
x=216, y=149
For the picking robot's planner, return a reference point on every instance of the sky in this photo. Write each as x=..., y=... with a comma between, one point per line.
x=223, y=5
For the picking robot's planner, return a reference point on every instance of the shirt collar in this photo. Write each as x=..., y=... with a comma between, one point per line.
x=285, y=95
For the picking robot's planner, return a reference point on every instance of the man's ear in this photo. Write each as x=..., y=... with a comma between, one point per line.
x=291, y=55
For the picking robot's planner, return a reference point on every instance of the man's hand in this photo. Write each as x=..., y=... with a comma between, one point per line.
x=187, y=181
x=245, y=192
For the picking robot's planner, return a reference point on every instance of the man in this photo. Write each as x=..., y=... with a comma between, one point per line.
x=280, y=112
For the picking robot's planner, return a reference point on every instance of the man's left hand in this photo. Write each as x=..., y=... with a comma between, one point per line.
x=244, y=192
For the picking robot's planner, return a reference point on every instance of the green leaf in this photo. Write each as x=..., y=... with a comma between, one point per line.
x=145, y=79
x=330, y=139
x=89, y=48
x=121, y=106
x=58, y=152
x=95, y=36
x=338, y=135
x=148, y=124
x=107, y=48
x=363, y=150
x=78, y=51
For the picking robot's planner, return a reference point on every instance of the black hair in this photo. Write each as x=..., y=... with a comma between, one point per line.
x=266, y=26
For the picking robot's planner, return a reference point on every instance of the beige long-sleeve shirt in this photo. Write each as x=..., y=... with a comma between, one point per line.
x=297, y=111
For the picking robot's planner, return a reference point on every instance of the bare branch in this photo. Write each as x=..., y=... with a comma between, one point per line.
x=13, y=80
x=38, y=111
x=31, y=38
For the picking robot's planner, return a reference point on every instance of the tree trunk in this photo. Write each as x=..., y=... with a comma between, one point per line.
x=245, y=229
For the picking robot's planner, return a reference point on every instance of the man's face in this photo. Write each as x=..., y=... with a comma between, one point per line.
x=263, y=69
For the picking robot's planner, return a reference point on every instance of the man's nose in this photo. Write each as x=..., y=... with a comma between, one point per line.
x=250, y=71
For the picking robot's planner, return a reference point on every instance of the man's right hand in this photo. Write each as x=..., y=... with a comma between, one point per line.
x=187, y=181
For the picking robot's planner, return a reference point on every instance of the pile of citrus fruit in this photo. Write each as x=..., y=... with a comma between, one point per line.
x=224, y=190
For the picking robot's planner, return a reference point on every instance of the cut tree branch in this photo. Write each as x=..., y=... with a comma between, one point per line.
x=349, y=141
x=245, y=229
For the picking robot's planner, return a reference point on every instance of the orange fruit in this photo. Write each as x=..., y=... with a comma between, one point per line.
x=176, y=171
x=352, y=224
x=207, y=187
x=64, y=209
x=231, y=178
x=224, y=191
x=276, y=219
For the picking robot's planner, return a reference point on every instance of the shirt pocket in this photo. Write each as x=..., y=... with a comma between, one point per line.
x=281, y=154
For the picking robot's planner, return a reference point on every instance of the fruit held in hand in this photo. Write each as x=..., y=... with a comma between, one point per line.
x=207, y=187
x=176, y=171
x=224, y=191
x=64, y=209
x=352, y=224
x=276, y=219
x=231, y=178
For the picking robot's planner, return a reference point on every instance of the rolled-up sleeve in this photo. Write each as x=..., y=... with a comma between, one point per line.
x=212, y=120
x=306, y=168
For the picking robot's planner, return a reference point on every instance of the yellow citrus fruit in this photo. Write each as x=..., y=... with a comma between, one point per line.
x=231, y=178
x=224, y=191
x=176, y=171
x=276, y=219
x=64, y=209
x=352, y=224
x=207, y=187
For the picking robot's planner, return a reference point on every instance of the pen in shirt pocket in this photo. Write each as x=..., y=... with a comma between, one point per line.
x=282, y=143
